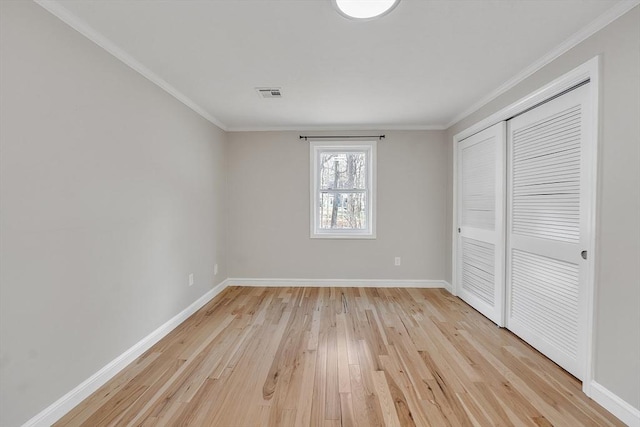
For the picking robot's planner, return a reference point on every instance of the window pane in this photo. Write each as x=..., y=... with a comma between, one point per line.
x=343, y=211
x=343, y=171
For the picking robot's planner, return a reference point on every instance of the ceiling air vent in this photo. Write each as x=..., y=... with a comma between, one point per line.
x=269, y=92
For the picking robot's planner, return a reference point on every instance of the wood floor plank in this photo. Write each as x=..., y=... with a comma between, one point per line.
x=346, y=410
x=305, y=398
x=339, y=357
x=385, y=400
x=332, y=392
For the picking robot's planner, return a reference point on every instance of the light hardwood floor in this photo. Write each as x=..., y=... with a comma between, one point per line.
x=339, y=357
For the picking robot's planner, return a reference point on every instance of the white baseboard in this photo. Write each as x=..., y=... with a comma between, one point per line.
x=448, y=286
x=349, y=283
x=614, y=404
x=59, y=408
x=608, y=400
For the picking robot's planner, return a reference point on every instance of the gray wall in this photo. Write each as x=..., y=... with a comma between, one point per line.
x=617, y=363
x=112, y=192
x=269, y=211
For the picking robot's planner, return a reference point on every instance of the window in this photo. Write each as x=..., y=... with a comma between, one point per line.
x=343, y=190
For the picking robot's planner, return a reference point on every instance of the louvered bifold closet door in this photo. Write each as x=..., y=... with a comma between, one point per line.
x=547, y=205
x=480, y=245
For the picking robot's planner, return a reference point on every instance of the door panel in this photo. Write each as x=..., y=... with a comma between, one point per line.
x=481, y=194
x=544, y=300
x=547, y=201
x=478, y=265
x=546, y=176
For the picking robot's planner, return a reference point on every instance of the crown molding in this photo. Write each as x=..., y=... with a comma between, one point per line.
x=85, y=29
x=596, y=25
x=333, y=128
x=92, y=34
x=78, y=24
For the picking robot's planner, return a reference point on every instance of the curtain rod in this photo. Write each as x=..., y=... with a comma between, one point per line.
x=308, y=137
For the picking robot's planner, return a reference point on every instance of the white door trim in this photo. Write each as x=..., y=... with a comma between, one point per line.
x=590, y=70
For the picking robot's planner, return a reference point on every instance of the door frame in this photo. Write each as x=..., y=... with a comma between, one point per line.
x=588, y=71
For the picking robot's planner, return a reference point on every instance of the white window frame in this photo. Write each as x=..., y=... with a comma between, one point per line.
x=316, y=149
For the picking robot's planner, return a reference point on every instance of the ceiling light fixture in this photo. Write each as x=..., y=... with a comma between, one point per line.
x=364, y=9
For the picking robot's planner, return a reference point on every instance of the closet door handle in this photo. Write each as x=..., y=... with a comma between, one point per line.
x=583, y=254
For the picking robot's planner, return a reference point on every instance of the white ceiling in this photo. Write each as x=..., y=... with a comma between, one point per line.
x=421, y=66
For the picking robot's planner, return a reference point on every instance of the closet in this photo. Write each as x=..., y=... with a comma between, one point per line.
x=523, y=212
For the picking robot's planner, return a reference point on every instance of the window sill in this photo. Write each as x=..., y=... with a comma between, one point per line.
x=344, y=236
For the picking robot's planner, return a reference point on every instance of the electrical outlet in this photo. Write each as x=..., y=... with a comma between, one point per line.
x=397, y=261
x=215, y=269
x=191, y=279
